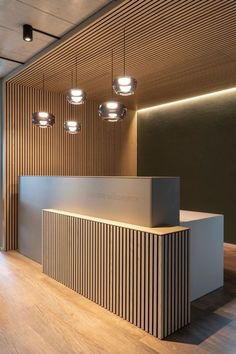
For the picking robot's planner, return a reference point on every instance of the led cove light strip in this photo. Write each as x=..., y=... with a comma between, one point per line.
x=189, y=99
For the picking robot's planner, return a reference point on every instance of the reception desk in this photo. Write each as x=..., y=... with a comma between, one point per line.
x=206, y=251
x=110, y=239
x=140, y=274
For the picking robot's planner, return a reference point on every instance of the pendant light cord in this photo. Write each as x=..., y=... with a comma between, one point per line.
x=124, y=50
x=76, y=73
x=43, y=90
x=112, y=69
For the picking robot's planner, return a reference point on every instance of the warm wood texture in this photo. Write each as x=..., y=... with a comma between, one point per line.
x=140, y=276
x=47, y=317
x=175, y=49
x=151, y=230
x=100, y=148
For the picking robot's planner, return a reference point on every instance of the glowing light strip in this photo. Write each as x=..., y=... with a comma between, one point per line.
x=189, y=99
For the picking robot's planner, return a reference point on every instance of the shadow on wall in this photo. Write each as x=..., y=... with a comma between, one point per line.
x=196, y=140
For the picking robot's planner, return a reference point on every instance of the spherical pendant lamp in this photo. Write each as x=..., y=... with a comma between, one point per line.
x=112, y=111
x=43, y=119
x=76, y=95
x=124, y=85
x=72, y=127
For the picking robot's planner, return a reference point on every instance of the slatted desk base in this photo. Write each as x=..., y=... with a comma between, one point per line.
x=140, y=276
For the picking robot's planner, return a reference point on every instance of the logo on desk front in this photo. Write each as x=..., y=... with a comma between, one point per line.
x=114, y=196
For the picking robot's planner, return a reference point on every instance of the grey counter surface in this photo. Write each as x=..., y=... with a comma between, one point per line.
x=144, y=201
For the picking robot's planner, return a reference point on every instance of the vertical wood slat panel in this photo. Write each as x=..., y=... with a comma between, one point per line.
x=30, y=150
x=174, y=304
x=131, y=273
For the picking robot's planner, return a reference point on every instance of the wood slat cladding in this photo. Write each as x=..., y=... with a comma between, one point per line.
x=174, y=269
x=100, y=148
x=175, y=49
x=142, y=277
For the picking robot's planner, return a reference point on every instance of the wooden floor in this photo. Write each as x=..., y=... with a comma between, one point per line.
x=38, y=315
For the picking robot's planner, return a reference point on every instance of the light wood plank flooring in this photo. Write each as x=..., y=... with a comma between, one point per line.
x=39, y=315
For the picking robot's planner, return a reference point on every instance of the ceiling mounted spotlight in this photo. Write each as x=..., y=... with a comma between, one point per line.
x=112, y=111
x=124, y=85
x=28, y=33
x=43, y=119
x=76, y=95
x=72, y=127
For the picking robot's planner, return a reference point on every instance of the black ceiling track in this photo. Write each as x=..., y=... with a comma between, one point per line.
x=45, y=33
x=12, y=60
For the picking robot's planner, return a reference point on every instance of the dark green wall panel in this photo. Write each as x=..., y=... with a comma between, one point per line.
x=196, y=140
x=1, y=129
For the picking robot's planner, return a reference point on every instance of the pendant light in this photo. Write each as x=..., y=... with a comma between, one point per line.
x=124, y=85
x=72, y=127
x=76, y=95
x=43, y=119
x=112, y=111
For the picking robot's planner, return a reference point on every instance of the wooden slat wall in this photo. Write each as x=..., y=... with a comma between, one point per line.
x=139, y=276
x=174, y=310
x=175, y=49
x=100, y=148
